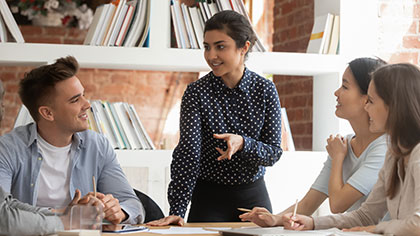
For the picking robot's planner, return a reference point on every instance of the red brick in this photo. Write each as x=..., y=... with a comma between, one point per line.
x=410, y=57
x=54, y=31
x=416, y=11
x=411, y=42
x=29, y=30
x=288, y=7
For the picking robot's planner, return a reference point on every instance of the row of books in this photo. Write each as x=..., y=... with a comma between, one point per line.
x=120, y=123
x=325, y=36
x=188, y=22
x=6, y=19
x=120, y=23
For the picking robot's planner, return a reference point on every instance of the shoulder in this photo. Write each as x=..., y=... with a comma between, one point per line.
x=259, y=81
x=415, y=154
x=92, y=138
x=203, y=82
x=379, y=145
x=19, y=136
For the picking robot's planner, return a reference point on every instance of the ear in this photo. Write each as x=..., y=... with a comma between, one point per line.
x=245, y=48
x=46, y=113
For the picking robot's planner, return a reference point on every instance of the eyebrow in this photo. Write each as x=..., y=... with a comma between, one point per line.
x=75, y=96
x=218, y=42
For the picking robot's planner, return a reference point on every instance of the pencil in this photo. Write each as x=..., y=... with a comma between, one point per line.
x=294, y=212
x=94, y=186
x=249, y=210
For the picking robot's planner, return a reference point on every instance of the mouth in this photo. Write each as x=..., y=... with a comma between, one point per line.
x=83, y=116
x=216, y=64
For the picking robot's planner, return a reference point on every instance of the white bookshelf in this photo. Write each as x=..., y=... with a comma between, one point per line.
x=357, y=38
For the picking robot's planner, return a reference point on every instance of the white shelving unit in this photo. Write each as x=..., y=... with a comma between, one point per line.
x=357, y=38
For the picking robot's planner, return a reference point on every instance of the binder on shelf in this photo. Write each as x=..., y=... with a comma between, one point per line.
x=94, y=28
x=321, y=32
x=10, y=22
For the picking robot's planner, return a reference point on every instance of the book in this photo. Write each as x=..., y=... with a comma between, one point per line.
x=189, y=26
x=131, y=6
x=286, y=132
x=138, y=25
x=3, y=31
x=181, y=25
x=93, y=28
x=104, y=25
x=23, y=117
x=197, y=25
x=320, y=32
x=10, y=22
x=114, y=20
x=118, y=25
x=142, y=42
x=335, y=36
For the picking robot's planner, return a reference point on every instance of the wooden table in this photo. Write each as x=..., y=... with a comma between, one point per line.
x=221, y=224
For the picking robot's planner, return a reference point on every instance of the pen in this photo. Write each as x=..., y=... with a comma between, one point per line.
x=94, y=186
x=294, y=212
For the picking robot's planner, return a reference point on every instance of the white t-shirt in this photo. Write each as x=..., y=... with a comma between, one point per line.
x=54, y=176
x=360, y=172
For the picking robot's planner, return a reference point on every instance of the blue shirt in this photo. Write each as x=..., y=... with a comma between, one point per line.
x=91, y=155
x=251, y=109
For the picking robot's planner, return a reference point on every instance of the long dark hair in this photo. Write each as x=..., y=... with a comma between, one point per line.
x=362, y=68
x=398, y=85
x=235, y=25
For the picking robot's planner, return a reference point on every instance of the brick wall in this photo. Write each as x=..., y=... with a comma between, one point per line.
x=399, y=31
x=154, y=94
x=292, y=28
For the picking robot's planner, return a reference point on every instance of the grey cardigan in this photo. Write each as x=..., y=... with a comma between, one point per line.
x=404, y=208
x=17, y=218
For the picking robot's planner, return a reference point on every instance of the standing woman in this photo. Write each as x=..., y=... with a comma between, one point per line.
x=353, y=163
x=230, y=130
x=393, y=107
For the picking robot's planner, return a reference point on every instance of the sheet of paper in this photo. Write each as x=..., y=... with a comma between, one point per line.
x=280, y=231
x=181, y=230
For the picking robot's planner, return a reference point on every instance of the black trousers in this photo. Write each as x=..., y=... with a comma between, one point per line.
x=218, y=203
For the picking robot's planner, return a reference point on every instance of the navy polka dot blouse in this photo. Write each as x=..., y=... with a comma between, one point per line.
x=251, y=109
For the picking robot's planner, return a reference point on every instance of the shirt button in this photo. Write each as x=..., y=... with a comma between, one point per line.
x=39, y=158
x=32, y=184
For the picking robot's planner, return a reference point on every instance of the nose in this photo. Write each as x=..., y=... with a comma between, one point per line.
x=86, y=104
x=211, y=54
x=366, y=107
x=336, y=92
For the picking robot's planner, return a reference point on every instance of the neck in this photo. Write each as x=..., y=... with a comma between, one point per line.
x=363, y=137
x=53, y=135
x=233, y=78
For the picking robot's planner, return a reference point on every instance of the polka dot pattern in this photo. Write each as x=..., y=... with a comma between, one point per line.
x=251, y=109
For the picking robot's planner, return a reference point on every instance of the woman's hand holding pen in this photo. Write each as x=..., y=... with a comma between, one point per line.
x=262, y=217
x=297, y=222
x=337, y=147
x=234, y=143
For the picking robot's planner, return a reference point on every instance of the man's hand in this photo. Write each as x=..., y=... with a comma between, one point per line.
x=234, y=143
x=112, y=209
x=169, y=220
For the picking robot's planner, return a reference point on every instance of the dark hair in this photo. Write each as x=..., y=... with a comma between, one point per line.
x=235, y=25
x=37, y=86
x=398, y=85
x=362, y=68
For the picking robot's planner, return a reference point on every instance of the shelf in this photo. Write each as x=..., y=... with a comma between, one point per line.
x=172, y=59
